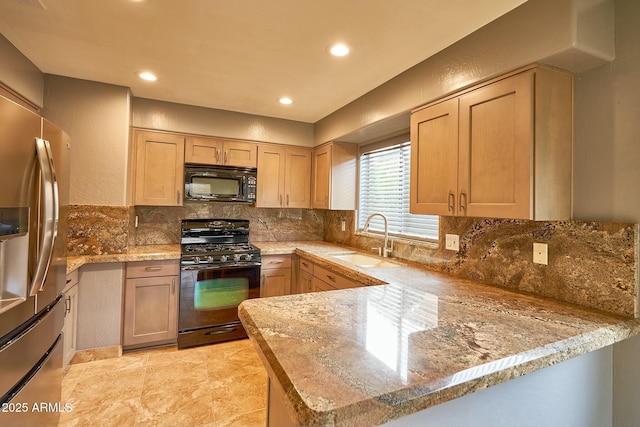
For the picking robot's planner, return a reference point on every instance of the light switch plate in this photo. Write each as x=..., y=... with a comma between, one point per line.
x=452, y=242
x=540, y=255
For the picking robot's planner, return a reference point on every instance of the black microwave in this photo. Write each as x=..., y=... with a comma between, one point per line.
x=220, y=183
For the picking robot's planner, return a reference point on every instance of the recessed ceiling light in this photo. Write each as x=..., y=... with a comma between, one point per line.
x=286, y=101
x=339, y=50
x=145, y=75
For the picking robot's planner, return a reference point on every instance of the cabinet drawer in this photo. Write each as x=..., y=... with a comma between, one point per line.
x=276, y=261
x=318, y=285
x=306, y=265
x=153, y=268
x=336, y=280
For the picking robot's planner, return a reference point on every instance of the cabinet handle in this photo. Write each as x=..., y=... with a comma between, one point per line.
x=463, y=206
x=173, y=286
x=67, y=305
x=330, y=277
x=287, y=200
x=217, y=155
x=226, y=156
x=152, y=268
x=178, y=197
x=450, y=201
x=280, y=200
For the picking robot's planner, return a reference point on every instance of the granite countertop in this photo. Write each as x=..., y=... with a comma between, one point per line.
x=368, y=355
x=133, y=253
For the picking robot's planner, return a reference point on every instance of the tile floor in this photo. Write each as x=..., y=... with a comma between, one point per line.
x=218, y=385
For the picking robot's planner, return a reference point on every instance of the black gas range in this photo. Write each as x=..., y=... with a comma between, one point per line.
x=217, y=242
x=219, y=268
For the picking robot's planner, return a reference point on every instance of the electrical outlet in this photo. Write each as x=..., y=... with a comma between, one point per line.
x=452, y=242
x=343, y=225
x=540, y=255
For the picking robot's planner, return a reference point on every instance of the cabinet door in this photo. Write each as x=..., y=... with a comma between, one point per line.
x=271, y=161
x=434, y=159
x=206, y=151
x=496, y=142
x=159, y=173
x=297, y=180
x=70, y=324
x=150, y=313
x=306, y=282
x=275, y=282
x=237, y=153
x=321, y=177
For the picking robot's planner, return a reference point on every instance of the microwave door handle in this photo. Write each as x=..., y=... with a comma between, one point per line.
x=50, y=207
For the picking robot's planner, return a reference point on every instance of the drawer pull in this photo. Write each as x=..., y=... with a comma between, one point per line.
x=330, y=277
x=276, y=262
x=305, y=264
x=152, y=268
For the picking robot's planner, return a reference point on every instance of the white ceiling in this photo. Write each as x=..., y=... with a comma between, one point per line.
x=241, y=55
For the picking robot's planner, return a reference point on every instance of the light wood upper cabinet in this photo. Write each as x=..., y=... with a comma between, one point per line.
x=206, y=151
x=334, y=176
x=434, y=159
x=502, y=149
x=284, y=177
x=215, y=151
x=270, y=178
x=159, y=173
x=297, y=181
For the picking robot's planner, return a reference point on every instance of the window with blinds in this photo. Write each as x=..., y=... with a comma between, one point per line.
x=384, y=188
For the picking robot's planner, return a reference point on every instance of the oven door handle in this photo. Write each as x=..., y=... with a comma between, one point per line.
x=218, y=267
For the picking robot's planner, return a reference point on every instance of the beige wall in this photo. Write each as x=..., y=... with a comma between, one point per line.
x=173, y=117
x=607, y=129
x=571, y=34
x=19, y=74
x=96, y=117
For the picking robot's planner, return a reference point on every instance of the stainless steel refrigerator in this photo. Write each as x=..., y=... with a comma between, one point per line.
x=33, y=210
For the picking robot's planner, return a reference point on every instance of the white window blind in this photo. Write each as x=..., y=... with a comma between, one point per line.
x=384, y=188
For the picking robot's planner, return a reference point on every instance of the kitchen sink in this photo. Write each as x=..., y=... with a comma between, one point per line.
x=365, y=261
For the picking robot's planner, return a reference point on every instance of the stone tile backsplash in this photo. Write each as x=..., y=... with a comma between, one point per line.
x=97, y=230
x=592, y=264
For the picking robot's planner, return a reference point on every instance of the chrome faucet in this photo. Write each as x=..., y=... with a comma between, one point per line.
x=386, y=250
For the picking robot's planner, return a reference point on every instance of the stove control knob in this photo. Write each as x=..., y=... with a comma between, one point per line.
x=236, y=257
x=196, y=260
x=246, y=257
x=224, y=258
x=210, y=259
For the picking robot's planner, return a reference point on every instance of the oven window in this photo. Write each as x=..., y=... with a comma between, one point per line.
x=207, y=186
x=220, y=293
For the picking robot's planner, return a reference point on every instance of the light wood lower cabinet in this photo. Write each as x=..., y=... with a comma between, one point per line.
x=276, y=276
x=151, y=303
x=315, y=278
x=70, y=318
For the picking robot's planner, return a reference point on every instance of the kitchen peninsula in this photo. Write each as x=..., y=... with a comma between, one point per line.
x=376, y=354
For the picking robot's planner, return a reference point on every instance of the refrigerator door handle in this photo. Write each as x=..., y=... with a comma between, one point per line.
x=50, y=213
